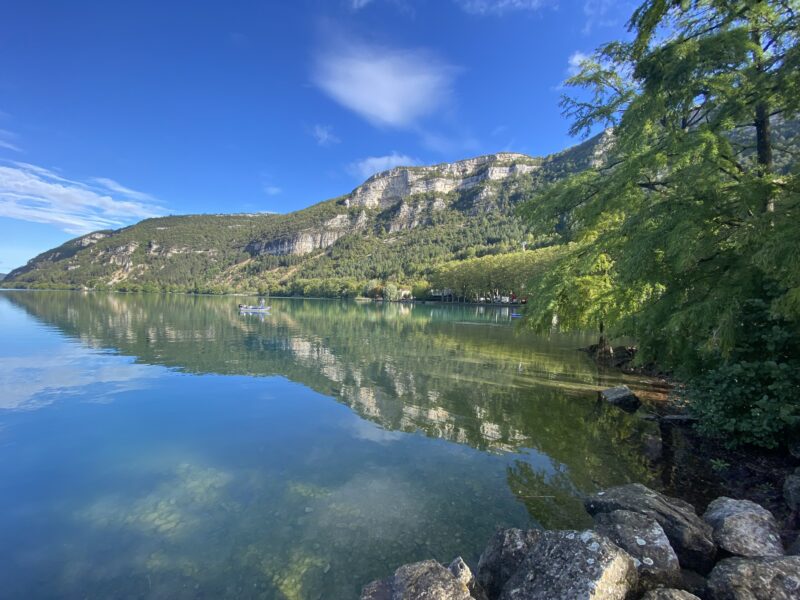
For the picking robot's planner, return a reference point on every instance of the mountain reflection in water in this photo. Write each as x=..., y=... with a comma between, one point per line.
x=200, y=452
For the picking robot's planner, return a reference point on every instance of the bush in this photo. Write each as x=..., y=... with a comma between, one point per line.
x=752, y=396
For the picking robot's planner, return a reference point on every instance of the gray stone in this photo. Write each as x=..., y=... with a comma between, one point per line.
x=689, y=535
x=693, y=582
x=669, y=594
x=766, y=578
x=572, y=565
x=426, y=580
x=794, y=547
x=503, y=556
x=791, y=491
x=620, y=396
x=744, y=528
x=644, y=539
x=462, y=573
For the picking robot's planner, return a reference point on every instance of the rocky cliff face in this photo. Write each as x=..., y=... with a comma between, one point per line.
x=384, y=189
x=309, y=240
x=391, y=192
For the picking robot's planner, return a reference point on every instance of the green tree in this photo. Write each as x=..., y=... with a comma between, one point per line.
x=689, y=213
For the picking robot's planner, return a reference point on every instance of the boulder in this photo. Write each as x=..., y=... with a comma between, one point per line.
x=462, y=573
x=669, y=594
x=620, y=396
x=693, y=582
x=791, y=491
x=765, y=578
x=644, y=539
x=503, y=556
x=689, y=535
x=794, y=547
x=426, y=580
x=744, y=528
x=571, y=565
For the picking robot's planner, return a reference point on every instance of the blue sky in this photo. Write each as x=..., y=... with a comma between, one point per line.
x=111, y=112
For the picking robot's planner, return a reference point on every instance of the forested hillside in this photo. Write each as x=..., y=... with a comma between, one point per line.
x=396, y=227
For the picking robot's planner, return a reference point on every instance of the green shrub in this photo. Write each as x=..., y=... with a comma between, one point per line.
x=752, y=396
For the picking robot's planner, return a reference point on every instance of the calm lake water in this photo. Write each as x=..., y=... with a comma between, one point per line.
x=168, y=447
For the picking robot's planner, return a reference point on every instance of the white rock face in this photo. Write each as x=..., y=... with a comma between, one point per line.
x=386, y=188
x=311, y=239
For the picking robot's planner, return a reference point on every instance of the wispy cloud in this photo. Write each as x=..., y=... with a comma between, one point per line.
x=324, y=135
x=272, y=190
x=120, y=189
x=605, y=13
x=8, y=140
x=574, y=62
x=499, y=7
x=366, y=167
x=32, y=193
x=388, y=87
x=359, y=4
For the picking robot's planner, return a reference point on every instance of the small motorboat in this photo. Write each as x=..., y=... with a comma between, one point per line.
x=261, y=308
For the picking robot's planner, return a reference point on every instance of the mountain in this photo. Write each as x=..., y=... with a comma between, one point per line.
x=397, y=226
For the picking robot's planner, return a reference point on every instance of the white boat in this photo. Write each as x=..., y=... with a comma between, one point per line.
x=261, y=308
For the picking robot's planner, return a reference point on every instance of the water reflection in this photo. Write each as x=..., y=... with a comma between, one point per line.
x=247, y=485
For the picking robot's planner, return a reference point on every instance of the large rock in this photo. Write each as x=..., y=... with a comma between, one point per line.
x=462, y=573
x=502, y=557
x=567, y=565
x=669, y=594
x=791, y=491
x=620, y=396
x=688, y=534
x=644, y=539
x=767, y=578
x=426, y=580
x=744, y=528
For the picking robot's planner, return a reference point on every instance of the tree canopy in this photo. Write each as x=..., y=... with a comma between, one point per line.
x=690, y=212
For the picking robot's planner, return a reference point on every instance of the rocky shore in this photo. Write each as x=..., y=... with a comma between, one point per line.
x=643, y=545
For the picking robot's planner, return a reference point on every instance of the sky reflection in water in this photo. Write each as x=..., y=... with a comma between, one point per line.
x=167, y=447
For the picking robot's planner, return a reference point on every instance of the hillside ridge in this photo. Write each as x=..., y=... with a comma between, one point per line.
x=396, y=225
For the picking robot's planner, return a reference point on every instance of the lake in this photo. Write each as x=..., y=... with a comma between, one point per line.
x=165, y=446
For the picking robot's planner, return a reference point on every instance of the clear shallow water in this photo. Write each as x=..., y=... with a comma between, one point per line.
x=167, y=447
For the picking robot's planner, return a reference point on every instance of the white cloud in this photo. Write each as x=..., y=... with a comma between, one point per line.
x=385, y=86
x=272, y=190
x=112, y=185
x=324, y=135
x=359, y=4
x=574, y=62
x=367, y=167
x=32, y=193
x=9, y=146
x=498, y=7
x=6, y=142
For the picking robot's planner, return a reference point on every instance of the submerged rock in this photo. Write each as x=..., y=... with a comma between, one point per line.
x=620, y=396
x=669, y=594
x=690, y=537
x=503, y=556
x=561, y=565
x=766, y=578
x=426, y=580
x=644, y=539
x=744, y=528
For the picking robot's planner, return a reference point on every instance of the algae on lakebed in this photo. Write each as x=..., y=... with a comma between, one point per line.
x=295, y=456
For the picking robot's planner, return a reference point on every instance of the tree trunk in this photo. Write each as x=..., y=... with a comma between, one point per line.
x=763, y=128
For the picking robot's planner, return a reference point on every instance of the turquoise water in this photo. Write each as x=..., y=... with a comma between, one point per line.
x=167, y=447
